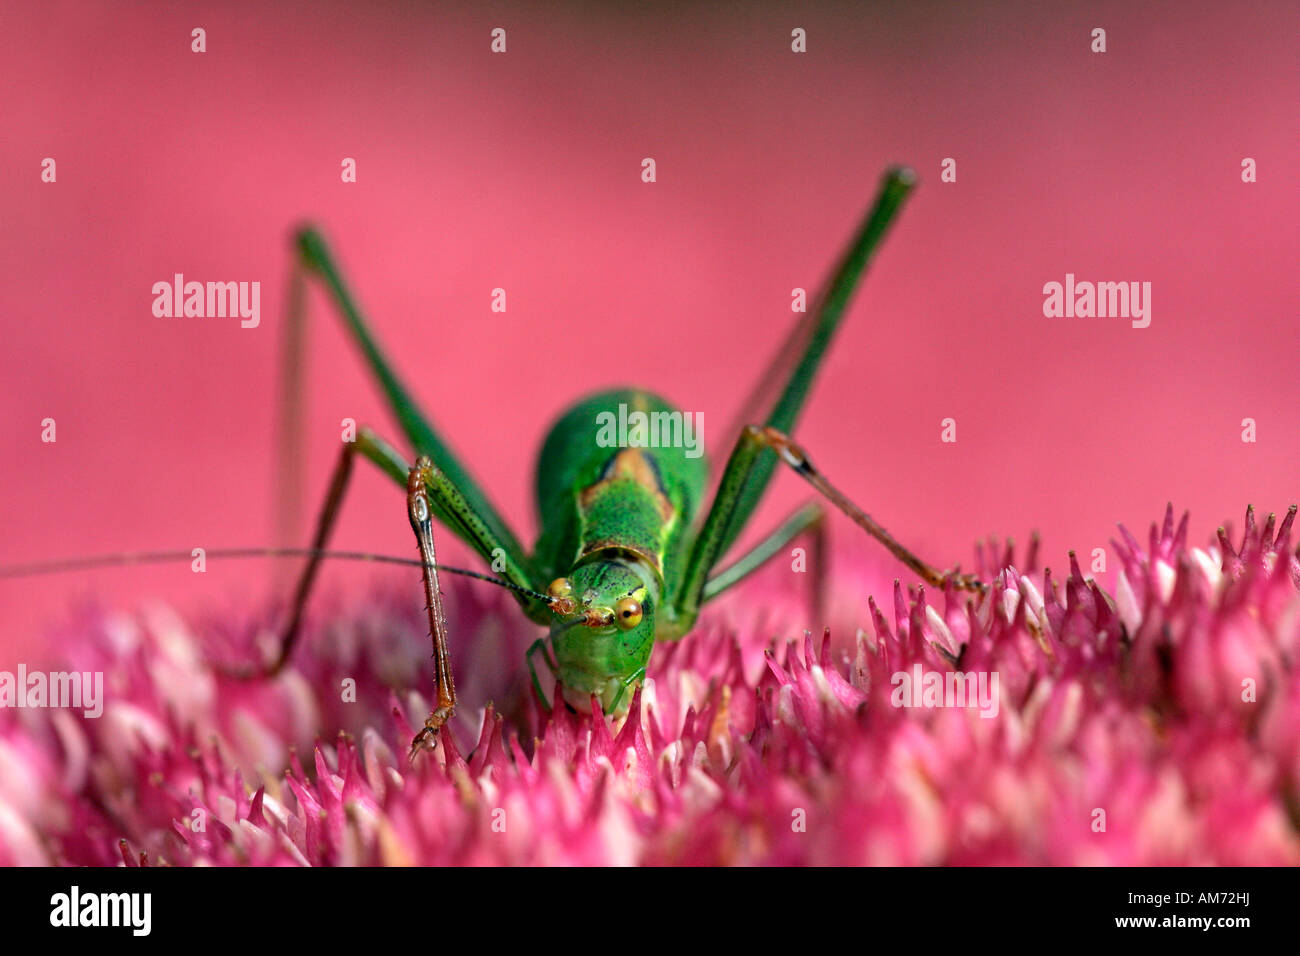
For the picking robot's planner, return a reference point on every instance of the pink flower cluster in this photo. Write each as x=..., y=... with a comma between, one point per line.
x=1157, y=725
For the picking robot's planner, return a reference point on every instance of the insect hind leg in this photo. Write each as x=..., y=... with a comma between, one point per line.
x=793, y=455
x=372, y=447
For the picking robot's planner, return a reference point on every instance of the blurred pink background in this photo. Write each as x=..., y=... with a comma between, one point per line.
x=522, y=171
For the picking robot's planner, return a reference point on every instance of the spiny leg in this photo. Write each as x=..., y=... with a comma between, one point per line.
x=421, y=515
x=450, y=504
x=387, y=458
x=708, y=545
x=439, y=491
x=794, y=456
x=431, y=491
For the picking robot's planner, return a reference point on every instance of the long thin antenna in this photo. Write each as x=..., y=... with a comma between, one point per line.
x=96, y=562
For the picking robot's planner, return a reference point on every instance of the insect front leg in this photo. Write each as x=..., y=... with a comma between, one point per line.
x=539, y=646
x=421, y=515
x=810, y=520
x=637, y=676
x=430, y=492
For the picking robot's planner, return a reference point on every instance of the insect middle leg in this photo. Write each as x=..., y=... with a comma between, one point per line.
x=810, y=519
x=753, y=442
x=539, y=647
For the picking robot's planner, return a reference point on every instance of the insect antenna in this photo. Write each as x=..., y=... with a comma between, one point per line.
x=96, y=562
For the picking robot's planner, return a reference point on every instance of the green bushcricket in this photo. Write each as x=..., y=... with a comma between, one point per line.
x=625, y=557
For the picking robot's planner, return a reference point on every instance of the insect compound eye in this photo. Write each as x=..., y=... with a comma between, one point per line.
x=560, y=588
x=627, y=613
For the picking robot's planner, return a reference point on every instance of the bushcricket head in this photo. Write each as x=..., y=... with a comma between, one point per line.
x=603, y=630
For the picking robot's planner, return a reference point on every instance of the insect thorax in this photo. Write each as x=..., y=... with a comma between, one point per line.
x=595, y=497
